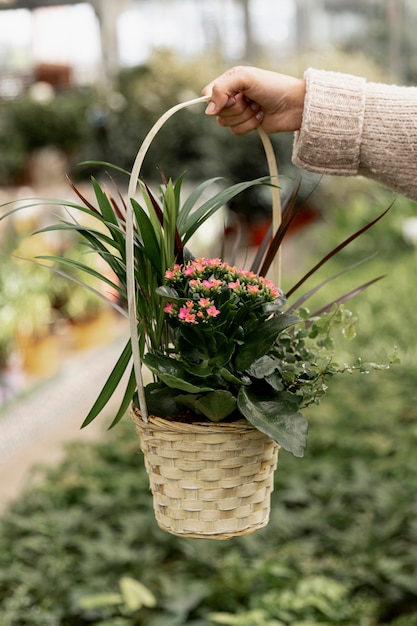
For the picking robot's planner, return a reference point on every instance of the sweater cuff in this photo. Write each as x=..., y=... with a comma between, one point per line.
x=329, y=139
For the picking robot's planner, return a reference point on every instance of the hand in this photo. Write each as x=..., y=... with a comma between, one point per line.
x=244, y=97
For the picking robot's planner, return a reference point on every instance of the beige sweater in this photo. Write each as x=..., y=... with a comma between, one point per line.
x=354, y=127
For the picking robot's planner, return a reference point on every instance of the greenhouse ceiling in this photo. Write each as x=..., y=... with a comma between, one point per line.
x=33, y=4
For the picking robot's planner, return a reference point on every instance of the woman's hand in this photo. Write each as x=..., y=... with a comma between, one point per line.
x=244, y=97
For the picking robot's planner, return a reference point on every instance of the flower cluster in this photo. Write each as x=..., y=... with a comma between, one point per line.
x=206, y=287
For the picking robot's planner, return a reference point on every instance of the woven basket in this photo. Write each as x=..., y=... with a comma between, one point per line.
x=208, y=481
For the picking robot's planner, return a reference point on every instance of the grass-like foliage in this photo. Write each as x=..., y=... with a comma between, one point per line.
x=221, y=342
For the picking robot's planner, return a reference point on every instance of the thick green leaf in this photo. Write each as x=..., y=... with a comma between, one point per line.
x=263, y=367
x=277, y=416
x=171, y=372
x=260, y=342
x=161, y=400
x=216, y=405
x=179, y=383
x=167, y=292
x=161, y=363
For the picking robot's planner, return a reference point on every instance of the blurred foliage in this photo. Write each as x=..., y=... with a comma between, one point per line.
x=82, y=546
x=91, y=125
x=28, y=124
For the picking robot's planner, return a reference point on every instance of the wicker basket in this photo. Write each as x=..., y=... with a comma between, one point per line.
x=209, y=481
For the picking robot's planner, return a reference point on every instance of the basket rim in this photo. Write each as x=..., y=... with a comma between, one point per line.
x=160, y=423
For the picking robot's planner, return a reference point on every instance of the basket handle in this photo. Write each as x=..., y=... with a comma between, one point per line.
x=130, y=258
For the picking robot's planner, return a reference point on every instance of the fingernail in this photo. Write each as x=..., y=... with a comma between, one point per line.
x=259, y=116
x=231, y=101
x=211, y=108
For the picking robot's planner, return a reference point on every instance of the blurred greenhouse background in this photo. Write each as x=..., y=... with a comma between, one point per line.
x=84, y=82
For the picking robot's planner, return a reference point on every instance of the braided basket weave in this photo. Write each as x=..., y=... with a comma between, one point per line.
x=209, y=481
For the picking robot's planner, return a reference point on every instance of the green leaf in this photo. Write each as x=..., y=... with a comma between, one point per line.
x=170, y=221
x=230, y=378
x=108, y=213
x=151, y=247
x=349, y=331
x=171, y=372
x=197, y=218
x=167, y=292
x=263, y=367
x=192, y=199
x=260, y=342
x=277, y=416
x=100, y=601
x=135, y=594
x=180, y=383
x=126, y=400
x=216, y=405
x=161, y=400
x=110, y=385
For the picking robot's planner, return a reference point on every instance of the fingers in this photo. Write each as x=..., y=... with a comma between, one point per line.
x=239, y=113
x=242, y=117
x=224, y=88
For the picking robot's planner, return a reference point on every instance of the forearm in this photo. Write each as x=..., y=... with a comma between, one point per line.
x=352, y=127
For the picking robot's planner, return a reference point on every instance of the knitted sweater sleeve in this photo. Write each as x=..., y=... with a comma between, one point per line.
x=353, y=127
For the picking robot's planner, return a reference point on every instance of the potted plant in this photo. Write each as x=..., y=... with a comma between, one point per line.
x=89, y=317
x=233, y=360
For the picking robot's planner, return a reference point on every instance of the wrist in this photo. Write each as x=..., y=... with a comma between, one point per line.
x=296, y=104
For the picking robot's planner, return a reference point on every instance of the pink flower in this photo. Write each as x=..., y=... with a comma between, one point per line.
x=253, y=288
x=213, y=283
x=212, y=311
x=204, y=302
x=194, y=267
x=234, y=285
x=169, y=308
x=186, y=315
x=172, y=274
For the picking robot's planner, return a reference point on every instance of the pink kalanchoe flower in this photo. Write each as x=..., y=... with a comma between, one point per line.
x=204, y=302
x=212, y=311
x=253, y=288
x=213, y=262
x=174, y=273
x=186, y=315
x=169, y=308
x=234, y=285
x=213, y=283
x=190, y=270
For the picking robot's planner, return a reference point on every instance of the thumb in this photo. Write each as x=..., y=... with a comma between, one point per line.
x=215, y=106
